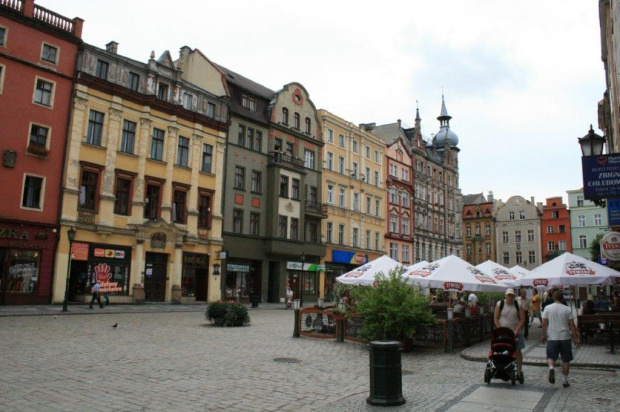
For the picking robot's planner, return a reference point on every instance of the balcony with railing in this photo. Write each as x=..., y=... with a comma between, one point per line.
x=279, y=158
x=315, y=208
x=29, y=9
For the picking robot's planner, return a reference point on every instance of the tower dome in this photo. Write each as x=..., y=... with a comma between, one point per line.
x=444, y=133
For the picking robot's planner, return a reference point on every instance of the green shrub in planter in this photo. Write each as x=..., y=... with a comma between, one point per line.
x=227, y=313
x=391, y=309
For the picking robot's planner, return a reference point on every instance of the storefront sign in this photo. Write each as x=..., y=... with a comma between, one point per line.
x=103, y=273
x=194, y=259
x=601, y=176
x=610, y=246
x=308, y=267
x=613, y=212
x=343, y=256
x=233, y=267
x=79, y=251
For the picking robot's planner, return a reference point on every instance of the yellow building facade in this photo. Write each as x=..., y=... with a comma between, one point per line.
x=354, y=192
x=141, y=188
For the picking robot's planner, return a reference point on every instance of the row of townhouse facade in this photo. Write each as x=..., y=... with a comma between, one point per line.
x=523, y=233
x=184, y=181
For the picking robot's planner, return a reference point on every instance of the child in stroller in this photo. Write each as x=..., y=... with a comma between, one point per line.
x=502, y=362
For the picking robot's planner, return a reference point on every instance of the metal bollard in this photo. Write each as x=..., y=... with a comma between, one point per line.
x=386, y=386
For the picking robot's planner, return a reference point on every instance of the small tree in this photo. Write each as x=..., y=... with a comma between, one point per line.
x=392, y=309
x=595, y=247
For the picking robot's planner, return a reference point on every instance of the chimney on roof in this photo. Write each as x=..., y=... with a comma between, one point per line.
x=490, y=197
x=112, y=47
x=399, y=123
x=532, y=199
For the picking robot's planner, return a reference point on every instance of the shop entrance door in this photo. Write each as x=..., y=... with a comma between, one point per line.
x=201, y=284
x=155, y=277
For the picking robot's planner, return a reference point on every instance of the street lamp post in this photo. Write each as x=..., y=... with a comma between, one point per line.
x=296, y=307
x=301, y=280
x=592, y=145
x=71, y=236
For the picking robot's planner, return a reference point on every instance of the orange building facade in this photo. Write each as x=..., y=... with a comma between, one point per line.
x=555, y=229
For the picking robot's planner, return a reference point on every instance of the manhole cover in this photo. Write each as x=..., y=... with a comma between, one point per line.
x=287, y=360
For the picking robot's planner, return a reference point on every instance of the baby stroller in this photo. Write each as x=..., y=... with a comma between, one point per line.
x=502, y=362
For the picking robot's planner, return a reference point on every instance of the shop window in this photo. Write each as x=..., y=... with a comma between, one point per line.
x=22, y=271
x=152, y=201
x=88, y=189
x=204, y=211
x=179, y=209
x=122, y=194
x=32, y=197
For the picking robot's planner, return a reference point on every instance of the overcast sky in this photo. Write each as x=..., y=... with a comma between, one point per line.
x=521, y=78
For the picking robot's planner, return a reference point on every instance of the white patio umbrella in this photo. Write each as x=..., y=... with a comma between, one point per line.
x=498, y=272
x=518, y=270
x=452, y=273
x=365, y=274
x=569, y=270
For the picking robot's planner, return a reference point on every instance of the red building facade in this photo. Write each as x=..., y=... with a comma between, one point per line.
x=38, y=51
x=555, y=229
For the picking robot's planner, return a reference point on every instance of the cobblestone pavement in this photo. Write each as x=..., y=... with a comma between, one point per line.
x=175, y=360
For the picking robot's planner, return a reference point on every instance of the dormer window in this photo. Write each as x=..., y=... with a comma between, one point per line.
x=162, y=91
x=249, y=102
x=101, y=70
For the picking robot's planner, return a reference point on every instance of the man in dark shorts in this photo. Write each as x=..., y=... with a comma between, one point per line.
x=558, y=324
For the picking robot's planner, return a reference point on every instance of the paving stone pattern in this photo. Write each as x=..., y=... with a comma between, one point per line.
x=173, y=360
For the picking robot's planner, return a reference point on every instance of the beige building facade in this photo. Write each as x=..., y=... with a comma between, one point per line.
x=353, y=185
x=144, y=167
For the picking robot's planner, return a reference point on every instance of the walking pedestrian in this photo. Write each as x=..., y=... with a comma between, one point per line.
x=535, y=308
x=289, y=298
x=96, y=296
x=524, y=303
x=558, y=324
x=508, y=314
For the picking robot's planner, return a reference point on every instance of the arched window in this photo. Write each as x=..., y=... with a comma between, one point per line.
x=284, y=115
x=297, y=123
x=308, y=125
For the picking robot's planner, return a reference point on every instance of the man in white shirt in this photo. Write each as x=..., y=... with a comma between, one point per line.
x=511, y=315
x=472, y=300
x=96, y=295
x=557, y=327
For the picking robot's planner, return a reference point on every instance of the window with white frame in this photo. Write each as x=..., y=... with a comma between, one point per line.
x=341, y=234
x=583, y=242
x=506, y=258
x=354, y=146
x=377, y=243
x=342, y=197
x=393, y=223
x=341, y=140
x=487, y=247
x=581, y=221
x=521, y=214
x=330, y=194
x=504, y=237
x=356, y=202
x=367, y=152
x=562, y=245
x=598, y=220
x=330, y=232
x=468, y=248
x=32, y=195
x=393, y=170
x=330, y=161
x=249, y=102
x=368, y=204
x=550, y=246
x=309, y=159
x=517, y=236
x=468, y=231
x=355, y=171
x=406, y=253
x=377, y=178
x=356, y=233
x=405, y=175
x=519, y=257
x=532, y=256
x=44, y=92
x=377, y=158
x=49, y=53
x=530, y=235
x=394, y=251
x=405, y=223
x=579, y=201
x=377, y=207
x=511, y=215
x=330, y=135
x=393, y=196
x=404, y=199
x=550, y=229
x=367, y=175
x=487, y=230
x=341, y=165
